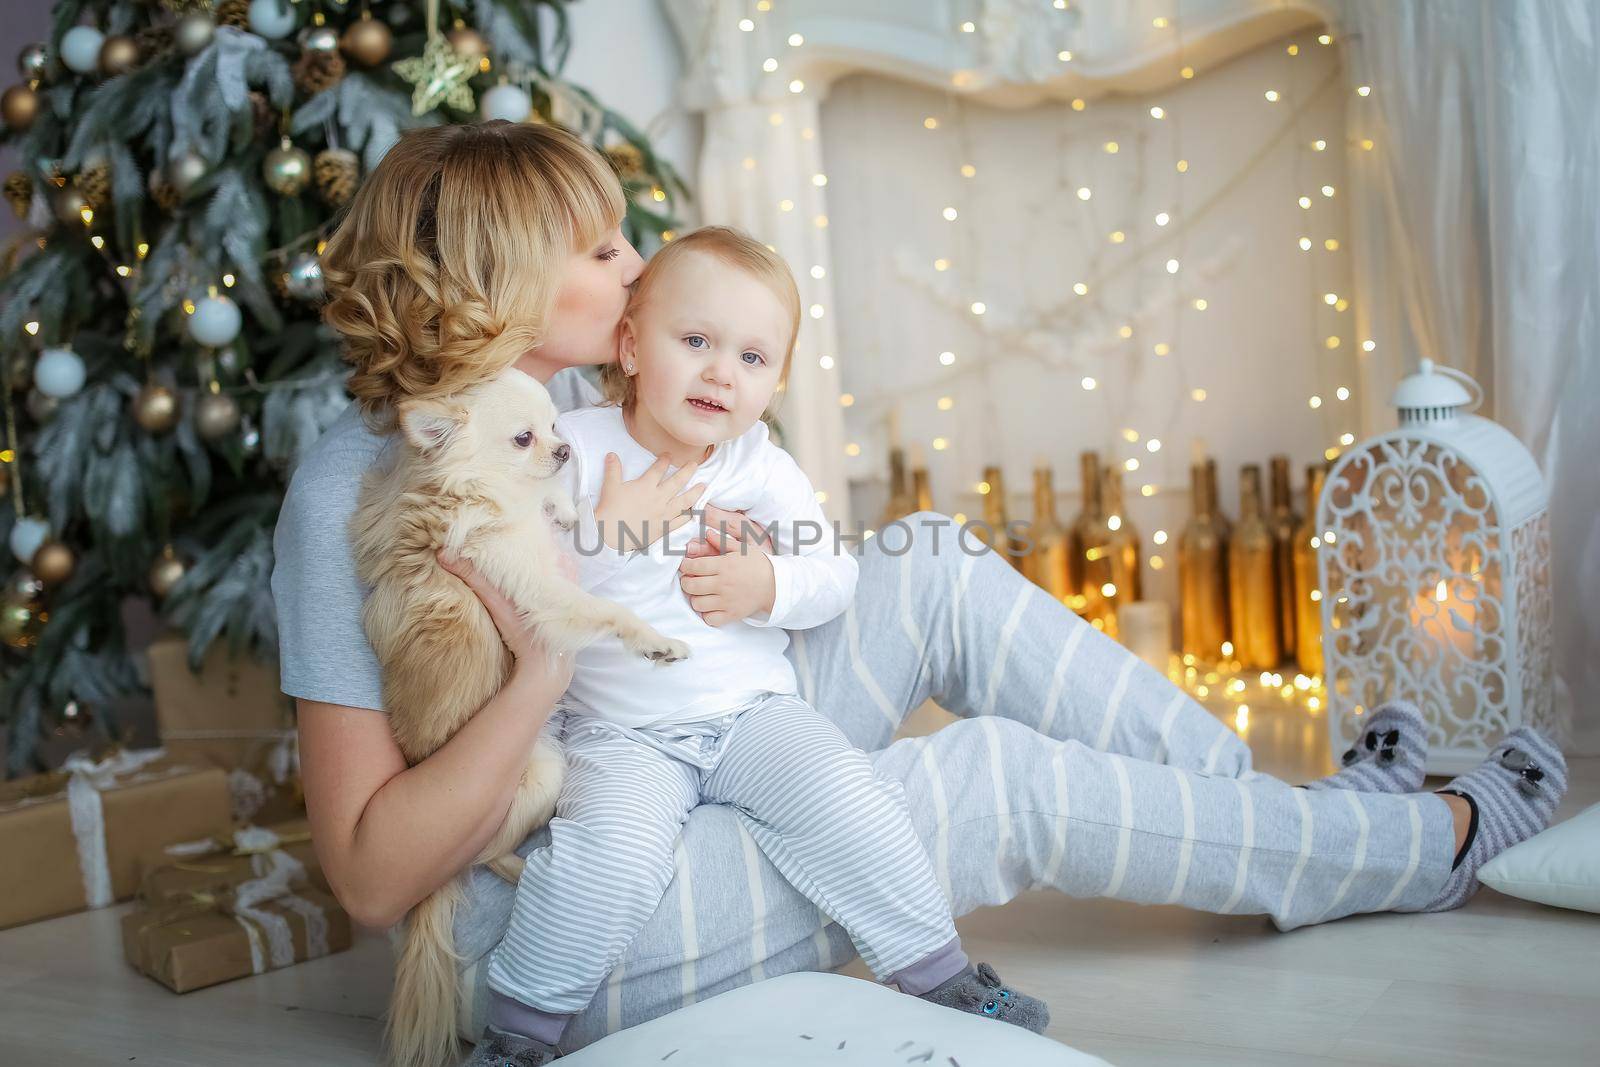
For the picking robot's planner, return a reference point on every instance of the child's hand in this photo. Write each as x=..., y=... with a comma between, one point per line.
x=647, y=507
x=726, y=582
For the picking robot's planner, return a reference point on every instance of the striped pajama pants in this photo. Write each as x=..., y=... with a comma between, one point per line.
x=1074, y=767
x=831, y=826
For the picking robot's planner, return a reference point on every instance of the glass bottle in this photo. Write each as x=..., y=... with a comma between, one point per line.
x=1091, y=536
x=1048, y=563
x=1124, y=541
x=1308, y=612
x=900, y=498
x=1203, y=571
x=920, y=490
x=1252, y=581
x=1282, y=521
x=994, y=517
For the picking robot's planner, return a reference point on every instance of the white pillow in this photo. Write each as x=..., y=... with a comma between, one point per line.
x=1560, y=866
x=850, y=1023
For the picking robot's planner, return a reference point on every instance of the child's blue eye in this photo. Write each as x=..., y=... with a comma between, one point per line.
x=758, y=360
x=693, y=338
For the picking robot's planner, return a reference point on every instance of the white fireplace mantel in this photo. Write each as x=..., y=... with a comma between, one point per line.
x=761, y=163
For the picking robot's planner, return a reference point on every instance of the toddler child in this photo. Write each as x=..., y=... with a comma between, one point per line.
x=703, y=347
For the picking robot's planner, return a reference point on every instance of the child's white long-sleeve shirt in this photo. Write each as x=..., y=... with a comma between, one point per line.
x=815, y=579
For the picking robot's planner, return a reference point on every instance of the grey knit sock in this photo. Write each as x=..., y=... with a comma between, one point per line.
x=497, y=1048
x=1513, y=795
x=979, y=991
x=1389, y=755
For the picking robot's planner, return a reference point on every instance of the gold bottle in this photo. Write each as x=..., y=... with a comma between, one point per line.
x=994, y=517
x=1308, y=612
x=1282, y=521
x=1048, y=563
x=900, y=499
x=1124, y=541
x=920, y=489
x=1203, y=571
x=1252, y=581
x=1091, y=536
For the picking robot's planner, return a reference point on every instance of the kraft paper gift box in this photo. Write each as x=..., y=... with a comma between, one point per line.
x=232, y=715
x=217, y=937
x=72, y=839
x=216, y=864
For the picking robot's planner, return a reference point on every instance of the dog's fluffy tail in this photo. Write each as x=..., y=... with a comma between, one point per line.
x=421, y=1029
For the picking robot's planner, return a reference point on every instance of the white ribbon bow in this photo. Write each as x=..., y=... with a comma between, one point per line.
x=88, y=778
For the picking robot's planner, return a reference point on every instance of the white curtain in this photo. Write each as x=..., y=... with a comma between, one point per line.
x=1479, y=246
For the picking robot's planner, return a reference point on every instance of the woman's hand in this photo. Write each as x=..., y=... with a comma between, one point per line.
x=555, y=670
x=725, y=580
x=648, y=507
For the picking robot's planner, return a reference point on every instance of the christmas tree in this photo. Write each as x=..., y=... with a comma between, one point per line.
x=163, y=358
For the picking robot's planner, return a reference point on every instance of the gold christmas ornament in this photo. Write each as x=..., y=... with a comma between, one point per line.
x=367, y=41
x=95, y=185
x=216, y=416
x=34, y=63
x=628, y=161
x=183, y=171
x=19, y=106
x=318, y=71
x=118, y=55
x=193, y=32
x=287, y=169
x=167, y=571
x=155, y=409
x=54, y=563
x=438, y=76
x=468, y=42
x=336, y=171
x=19, y=192
x=69, y=204
x=20, y=622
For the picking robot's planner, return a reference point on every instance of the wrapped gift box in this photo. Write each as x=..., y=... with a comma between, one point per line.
x=217, y=937
x=214, y=865
x=72, y=839
x=231, y=715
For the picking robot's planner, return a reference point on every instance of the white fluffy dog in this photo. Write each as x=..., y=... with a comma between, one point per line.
x=475, y=474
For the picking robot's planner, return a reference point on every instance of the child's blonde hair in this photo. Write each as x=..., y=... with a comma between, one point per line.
x=443, y=271
x=733, y=247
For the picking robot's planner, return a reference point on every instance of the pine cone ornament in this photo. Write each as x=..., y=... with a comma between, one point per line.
x=164, y=193
x=336, y=172
x=261, y=111
x=316, y=71
x=94, y=184
x=235, y=13
x=628, y=161
x=19, y=192
x=153, y=41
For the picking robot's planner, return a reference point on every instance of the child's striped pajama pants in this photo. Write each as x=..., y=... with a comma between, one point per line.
x=828, y=823
x=1075, y=767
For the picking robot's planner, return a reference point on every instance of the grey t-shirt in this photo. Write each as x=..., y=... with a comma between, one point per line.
x=323, y=653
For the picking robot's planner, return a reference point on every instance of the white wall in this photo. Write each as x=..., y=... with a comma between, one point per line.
x=1023, y=237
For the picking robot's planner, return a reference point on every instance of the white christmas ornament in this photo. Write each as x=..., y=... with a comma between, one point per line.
x=273, y=19
x=59, y=372
x=509, y=102
x=215, y=322
x=26, y=536
x=80, y=48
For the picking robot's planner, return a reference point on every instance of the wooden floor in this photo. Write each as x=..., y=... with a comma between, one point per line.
x=1497, y=982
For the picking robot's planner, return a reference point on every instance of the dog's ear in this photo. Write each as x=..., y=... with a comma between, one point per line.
x=430, y=425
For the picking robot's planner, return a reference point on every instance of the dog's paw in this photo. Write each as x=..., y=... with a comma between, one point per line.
x=561, y=513
x=664, y=651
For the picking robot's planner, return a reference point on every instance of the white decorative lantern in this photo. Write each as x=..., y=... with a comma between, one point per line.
x=1435, y=576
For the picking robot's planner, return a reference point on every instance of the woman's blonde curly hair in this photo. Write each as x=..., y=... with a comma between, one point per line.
x=444, y=269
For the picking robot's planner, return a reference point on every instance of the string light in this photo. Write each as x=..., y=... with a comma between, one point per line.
x=947, y=358
x=1159, y=537
x=825, y=362
x=1078, y=104
x=967, y=27
x=1084, y=192
x=1305, y=202
x=1331, y=244
x=1343, y=394
x=747, y=25
x=1197, y=395
x=1315, y=402
x=1172, y=266
x=1111, y=147
x=1162, y=348
x=1363, y=90
x=1200, y=304
x=1162, y=218
x=1186, y=73
x=950, y=214
x=797, y=86
x=1117, y=237
x=816, y=311
x=1327, y=190
x=769, y=65
x=1080, y=288
x=1065, y=55
x=1088, y=384
x=941, y=264
x=930, y=123
x=1158, y=113
x=1305, y=244
x=1368, y=346
x=940, y=444
x=1272, y=96
x=819, y=180
x=968, y=170
x=818, y=272
x=1153, y=445
x=979, y=307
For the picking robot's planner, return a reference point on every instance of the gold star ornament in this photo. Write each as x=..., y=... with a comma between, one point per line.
x=439, y=75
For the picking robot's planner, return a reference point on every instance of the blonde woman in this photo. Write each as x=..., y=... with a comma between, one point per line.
x=474, y=248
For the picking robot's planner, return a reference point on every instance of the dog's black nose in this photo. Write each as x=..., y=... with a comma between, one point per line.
x=563, y=452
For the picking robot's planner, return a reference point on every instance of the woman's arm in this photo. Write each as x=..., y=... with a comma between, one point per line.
x=388, y=835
